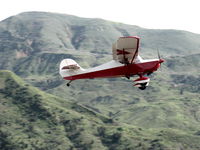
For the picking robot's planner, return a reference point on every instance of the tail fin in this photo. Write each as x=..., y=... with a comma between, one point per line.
x=69, y=67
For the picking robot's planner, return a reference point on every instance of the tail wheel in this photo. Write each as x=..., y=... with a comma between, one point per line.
x=68, y=84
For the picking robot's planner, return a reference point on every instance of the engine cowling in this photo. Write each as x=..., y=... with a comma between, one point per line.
x=142, y=82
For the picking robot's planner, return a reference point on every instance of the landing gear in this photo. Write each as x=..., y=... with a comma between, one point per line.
x=143, y=86
x=149, y=73
x=128, y=77
x=68, y=84
x=142, y=82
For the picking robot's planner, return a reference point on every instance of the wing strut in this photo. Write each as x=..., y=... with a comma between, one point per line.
x=138, y=41
x=125, y=59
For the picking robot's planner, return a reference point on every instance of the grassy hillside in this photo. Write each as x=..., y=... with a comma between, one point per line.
x=189, y=63
x=32, y=119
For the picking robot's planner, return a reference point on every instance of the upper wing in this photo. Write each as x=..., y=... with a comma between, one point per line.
x=125, y=49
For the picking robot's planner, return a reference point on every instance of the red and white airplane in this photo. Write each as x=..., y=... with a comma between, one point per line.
x=126, y=63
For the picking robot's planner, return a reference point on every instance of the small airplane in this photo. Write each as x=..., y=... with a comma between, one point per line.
x=126, y=63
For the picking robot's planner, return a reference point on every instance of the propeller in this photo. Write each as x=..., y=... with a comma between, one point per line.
x=158, y=53
x=159, y=63
x=159, y=57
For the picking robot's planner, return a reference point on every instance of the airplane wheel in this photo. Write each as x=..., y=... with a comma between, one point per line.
x=68, y=84
x=143, y=86
x=149, y=73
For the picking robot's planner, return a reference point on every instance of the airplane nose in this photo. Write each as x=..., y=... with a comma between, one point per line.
x=161, y=61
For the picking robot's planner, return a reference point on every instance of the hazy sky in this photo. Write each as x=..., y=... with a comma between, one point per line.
x=157, y=14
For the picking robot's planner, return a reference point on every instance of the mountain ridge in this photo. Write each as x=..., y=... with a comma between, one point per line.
x=34, y=33
x=77, y=26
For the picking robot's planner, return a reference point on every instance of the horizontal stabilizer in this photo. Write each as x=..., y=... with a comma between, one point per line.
x=74, y=66
x=68, y=66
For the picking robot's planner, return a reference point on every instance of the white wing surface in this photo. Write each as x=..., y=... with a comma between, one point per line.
x=125, y=49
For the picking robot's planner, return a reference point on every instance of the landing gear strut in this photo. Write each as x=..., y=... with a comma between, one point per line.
x=68, y=84
x=128, y=77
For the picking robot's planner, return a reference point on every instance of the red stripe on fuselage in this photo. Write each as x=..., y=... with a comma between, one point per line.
x=127, y=70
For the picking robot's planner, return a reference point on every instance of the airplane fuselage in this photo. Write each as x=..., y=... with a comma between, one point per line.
x=114, y=69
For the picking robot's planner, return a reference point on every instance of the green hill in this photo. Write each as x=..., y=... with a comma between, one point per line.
x=179, y=64
x=32, y=119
